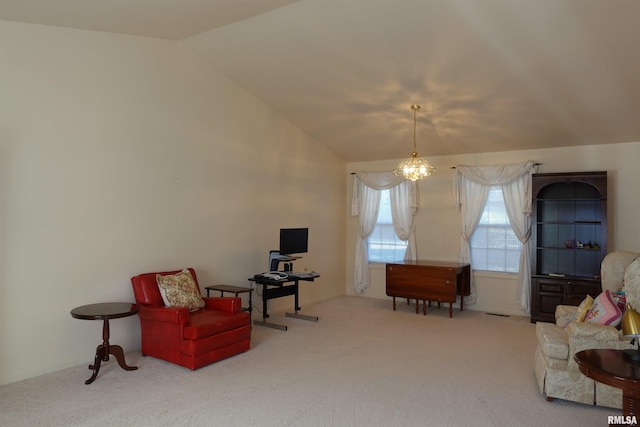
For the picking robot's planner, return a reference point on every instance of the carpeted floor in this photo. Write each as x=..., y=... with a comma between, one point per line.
x=362, y=364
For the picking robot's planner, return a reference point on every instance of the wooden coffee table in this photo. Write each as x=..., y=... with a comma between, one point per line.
x=104, y=312
x=609, y=367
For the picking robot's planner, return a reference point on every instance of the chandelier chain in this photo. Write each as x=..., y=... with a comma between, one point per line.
x=415, y=152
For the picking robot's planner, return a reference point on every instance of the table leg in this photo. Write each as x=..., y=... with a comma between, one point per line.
x=117, y=351
x=424, y=307
x=102, y=354
x=450, y=310
x=394, y=303
x=417, y=306
x=630, y=402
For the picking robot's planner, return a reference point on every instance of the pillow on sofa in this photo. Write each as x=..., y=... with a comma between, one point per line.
x=604, y=311
x=583, y=308
x=621, y=300
x=180, y=290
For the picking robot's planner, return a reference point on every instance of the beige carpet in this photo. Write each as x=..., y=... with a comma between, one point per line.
x=361, y=365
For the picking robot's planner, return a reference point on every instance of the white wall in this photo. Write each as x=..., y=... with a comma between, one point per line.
x=121, y=155
x=438, y=221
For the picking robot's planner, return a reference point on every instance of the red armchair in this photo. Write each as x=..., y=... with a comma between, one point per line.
x=190, y=339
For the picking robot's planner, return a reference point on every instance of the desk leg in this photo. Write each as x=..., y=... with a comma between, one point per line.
x=270, y=325
x=302, y=316
x=296, y=303
x=297, y=308
x=265, y=315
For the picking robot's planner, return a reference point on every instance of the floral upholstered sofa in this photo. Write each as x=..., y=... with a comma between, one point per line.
x=556, y=371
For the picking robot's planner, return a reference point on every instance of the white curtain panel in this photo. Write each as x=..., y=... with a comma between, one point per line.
x=403, y=208
x=365, y=204
x=471, y=189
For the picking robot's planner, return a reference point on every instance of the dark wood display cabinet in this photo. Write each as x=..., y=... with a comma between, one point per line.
x=568, y=238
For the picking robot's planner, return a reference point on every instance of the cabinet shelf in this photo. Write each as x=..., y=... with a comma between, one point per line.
x=569, y=222
x=551, y=276
x=567, y=201
x=555, y=248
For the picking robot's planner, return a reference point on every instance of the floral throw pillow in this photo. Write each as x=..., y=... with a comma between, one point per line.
x=180, y=290
x=604, y=311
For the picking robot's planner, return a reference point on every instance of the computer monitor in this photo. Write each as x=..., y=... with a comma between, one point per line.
x=293, y=240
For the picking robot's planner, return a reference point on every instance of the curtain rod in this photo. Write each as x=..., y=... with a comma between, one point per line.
x=535, y=164
x=353, y=173
x=452, y=167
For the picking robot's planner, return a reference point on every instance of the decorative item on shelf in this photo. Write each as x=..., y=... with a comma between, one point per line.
x=579, y=245
x=414, y=168
x=631, y=329
x=568, y=244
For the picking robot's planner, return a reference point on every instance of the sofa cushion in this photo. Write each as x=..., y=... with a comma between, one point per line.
x=604, y=311
x=614, y=266
x=632, y=284
x=551, y=362
x=565, y=314
x=592, y=332
x=553, y=340
x=180, y=290
x=204, y=323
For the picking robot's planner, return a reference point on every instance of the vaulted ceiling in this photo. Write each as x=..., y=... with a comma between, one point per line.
x=491, y=75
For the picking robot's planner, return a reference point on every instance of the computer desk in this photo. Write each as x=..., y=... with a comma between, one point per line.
x=280, y=288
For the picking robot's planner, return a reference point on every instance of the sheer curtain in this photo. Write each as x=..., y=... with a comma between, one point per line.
x=471, y=188
x=366, y=203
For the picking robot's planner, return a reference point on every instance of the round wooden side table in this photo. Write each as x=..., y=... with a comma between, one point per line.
x=610, y=367
x=104, y=312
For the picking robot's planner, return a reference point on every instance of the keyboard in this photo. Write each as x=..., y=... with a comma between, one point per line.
x=304, y=274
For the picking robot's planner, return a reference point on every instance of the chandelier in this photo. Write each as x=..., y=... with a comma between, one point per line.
x=414, y=168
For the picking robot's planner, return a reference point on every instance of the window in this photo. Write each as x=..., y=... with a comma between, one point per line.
x=494, y=245
x=384, y=245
